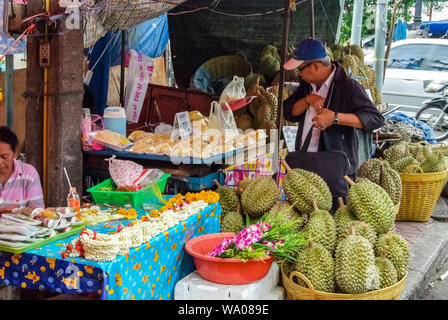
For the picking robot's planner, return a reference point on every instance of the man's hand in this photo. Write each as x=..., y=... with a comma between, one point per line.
x=323, y=119
x=316, y=101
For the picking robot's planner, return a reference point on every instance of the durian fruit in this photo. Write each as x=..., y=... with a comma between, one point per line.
x=396, y=152
x=370, y=203
x=380, y=172
x=337, y=51
x=329, y=52
x=401, y=164
x=287, y=211
x=317, y=265
x=251, y=79
x=361, y=228
x=434, y=162
x=259, y=196
x=355, y=50
x=242, y=185
x=388, y=273
x=342, y=216
x=391, y=182
x=421, y=153
x=322, y=228
x=269, y=65
x=232, y=221
x=269, y=50
x=398, y=251
x=244, y=122
x=255, y=90
x=355, y=269
x=227, y=197
x=301, y=187
x=351, y=62
x=371, y=169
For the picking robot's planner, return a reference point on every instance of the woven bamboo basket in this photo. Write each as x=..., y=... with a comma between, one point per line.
x=228, y=66
x=420, y=193
x=298, y=292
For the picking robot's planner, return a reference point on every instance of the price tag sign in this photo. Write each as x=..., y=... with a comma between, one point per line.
x=290, y=133
x=183, y=124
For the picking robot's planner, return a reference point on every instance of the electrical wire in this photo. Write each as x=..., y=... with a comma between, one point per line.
x=24, y=33
x=104, y=51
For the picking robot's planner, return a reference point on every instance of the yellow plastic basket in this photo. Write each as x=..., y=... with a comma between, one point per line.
x=295, y=291
x=420, y=193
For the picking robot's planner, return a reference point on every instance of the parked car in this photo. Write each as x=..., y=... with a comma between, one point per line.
x=411, y=64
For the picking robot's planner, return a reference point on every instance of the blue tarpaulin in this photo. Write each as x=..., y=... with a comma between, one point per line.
x=400, y=30
x=428, y=133
x=440, y=27
x=149, y=37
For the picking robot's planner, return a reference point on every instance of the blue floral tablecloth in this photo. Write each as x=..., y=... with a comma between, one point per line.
x=149, y=272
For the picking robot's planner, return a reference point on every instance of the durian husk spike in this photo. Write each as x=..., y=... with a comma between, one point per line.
x=349, y=181
x=384, y=252
x=217, y=183
x=287, y=167
x=341, y=202
x=315, y=204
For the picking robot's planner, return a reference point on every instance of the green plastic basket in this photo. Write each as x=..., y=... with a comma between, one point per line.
x=122, y=198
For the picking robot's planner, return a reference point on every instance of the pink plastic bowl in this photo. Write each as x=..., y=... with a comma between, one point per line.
x=223, y=270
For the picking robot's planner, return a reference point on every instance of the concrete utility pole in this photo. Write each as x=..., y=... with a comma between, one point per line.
x=358, y=8
x=380, y=41
x=65, y=93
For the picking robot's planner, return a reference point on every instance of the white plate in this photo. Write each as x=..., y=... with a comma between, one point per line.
x=21, y=219
x=109, y=145
x=13, y=237
x=14, y=244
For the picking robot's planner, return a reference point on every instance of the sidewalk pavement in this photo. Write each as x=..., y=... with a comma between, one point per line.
x=429, y=248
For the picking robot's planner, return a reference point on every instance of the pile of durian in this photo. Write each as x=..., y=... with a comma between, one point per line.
x=430, y=158
x=351, y=57
x=354, y=251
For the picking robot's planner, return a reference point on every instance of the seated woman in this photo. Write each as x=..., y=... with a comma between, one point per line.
x=19, y=182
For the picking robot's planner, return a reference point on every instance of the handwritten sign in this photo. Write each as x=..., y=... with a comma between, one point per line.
x=183, y=124
x=290, y=133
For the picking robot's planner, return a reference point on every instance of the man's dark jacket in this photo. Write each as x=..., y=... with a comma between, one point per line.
x=348, y=96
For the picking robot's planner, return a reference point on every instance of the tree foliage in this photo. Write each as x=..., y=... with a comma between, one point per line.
x=405, y=12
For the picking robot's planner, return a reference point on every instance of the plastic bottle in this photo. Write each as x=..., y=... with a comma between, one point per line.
x=73, y=200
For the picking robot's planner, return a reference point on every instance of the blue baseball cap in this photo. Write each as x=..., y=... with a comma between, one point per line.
x=306, y=50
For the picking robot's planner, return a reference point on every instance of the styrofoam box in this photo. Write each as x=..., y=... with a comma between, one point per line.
x=194, y=287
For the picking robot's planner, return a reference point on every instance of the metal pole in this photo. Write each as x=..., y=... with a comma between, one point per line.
x=123, y=60
x=9, y=90
x=341, y=14
x=312, y=29
x=380, y=41
x=358, y=8
x=418, y=12
x=275, y=166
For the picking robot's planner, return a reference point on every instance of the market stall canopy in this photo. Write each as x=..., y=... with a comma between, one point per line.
x=201, y=30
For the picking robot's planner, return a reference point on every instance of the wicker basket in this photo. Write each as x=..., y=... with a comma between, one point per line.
x=420, y=193
x=228, y=66
x=297, y=292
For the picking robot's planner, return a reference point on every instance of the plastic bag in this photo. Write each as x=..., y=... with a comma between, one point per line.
x=90, y=124
x=124, y=172
x=221, y=118
x=139, y=75
x=233, y=91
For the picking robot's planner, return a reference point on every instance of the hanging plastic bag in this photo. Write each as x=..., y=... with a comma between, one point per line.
x=233, y=91
x=124, y=173
x=139, y=75
x=221, y=118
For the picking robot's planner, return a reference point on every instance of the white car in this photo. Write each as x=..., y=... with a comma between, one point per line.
x=411, y=64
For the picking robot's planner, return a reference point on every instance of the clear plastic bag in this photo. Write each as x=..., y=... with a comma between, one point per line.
x=221, y=118
x=233, y=91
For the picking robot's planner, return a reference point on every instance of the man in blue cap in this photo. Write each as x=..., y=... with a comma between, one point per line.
x=328, y=102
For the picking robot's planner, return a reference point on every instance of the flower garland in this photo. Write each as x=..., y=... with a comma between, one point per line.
x=101, y=247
